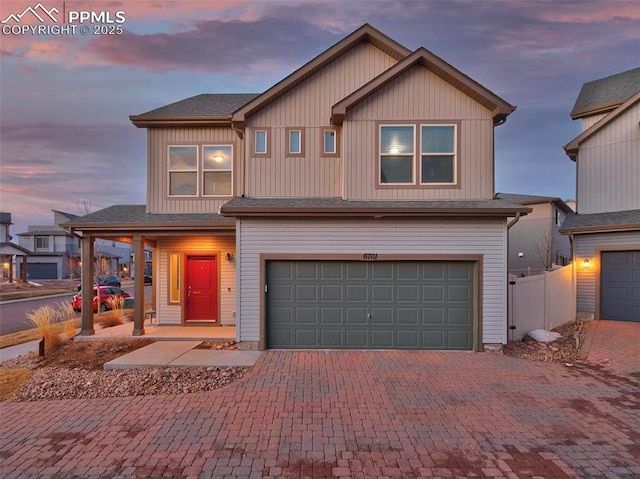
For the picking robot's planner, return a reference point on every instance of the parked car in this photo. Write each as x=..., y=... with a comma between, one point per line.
x=109, y=280
x=148, y=279
x=106, y=292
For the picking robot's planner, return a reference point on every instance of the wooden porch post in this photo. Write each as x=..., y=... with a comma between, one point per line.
x=87, y=328
x=24, y=269
x=138, y=285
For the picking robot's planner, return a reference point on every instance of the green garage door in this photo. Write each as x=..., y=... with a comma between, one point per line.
x=370, y=305
x=620, y=286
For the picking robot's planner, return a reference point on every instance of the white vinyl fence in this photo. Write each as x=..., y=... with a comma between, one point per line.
x=543, y=301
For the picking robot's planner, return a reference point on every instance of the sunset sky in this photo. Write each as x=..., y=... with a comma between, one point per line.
x=65, y=100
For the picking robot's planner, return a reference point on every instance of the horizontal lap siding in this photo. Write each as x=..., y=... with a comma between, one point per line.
x=172, y=313
x=585, y=246
x=341, y=237
x=159, y=139
x=418, y=96
x=308, y=105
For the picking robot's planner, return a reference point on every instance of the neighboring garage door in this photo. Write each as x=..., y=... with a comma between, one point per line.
x=620, y=285
x=370, y=305
x=42, y=271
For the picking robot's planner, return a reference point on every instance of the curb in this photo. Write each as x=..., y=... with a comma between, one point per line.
x=588, y=340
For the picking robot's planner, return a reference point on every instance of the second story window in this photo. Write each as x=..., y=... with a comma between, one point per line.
x=42, y=243
x=329, y=142
x=200, y=170
x=295, y=141
x=261, y=142
x=438, y=154
x=183, y=170
x=397, y=154
x=217, y=170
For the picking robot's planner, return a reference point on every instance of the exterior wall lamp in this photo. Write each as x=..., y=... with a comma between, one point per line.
x=229, y=256
x=586, y=263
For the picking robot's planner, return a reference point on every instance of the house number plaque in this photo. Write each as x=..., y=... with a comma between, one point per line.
x=370, y=256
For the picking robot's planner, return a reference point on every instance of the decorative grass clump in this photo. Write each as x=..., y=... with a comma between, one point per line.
x=45, y=319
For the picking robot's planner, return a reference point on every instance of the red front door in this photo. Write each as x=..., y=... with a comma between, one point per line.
x=202, y=288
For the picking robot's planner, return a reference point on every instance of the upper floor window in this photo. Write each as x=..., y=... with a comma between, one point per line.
x=217, y=170
x=438, y=159
x=436, y=163
x=261, y=142
x=329, y=141
x=183, y=170
x=206, y=170
x=42, y=243
x=295, y=141
x=397, y=154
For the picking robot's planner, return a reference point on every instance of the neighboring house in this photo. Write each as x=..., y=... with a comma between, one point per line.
x=10, y=251
x=535, y=243
x=55, y=253
x=351, y=205
x=605, y=230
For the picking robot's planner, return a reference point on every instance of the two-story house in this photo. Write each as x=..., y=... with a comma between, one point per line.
x=535, y=242
x=605, y=232
x=55, y=253
x=10, y=251
x=351, y=205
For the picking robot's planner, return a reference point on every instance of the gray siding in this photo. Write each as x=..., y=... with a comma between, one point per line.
x=586, y=246
x=309, y=105
x=326, y=237
x=609, y=167
x=419, y=95
x=159, y=139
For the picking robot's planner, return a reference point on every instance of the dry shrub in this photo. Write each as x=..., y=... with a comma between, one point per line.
x=44, y=319
x=115, y=302
x=110, y=318
x=11, y=380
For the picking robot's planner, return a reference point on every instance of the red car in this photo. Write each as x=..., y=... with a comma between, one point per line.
x=106, y=292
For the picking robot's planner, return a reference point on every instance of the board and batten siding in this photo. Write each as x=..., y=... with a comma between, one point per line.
x=418, y=95
x=587, y=246
x=172, y=313
x=308, y=105
x=487, y=238
x=159, y=140
x=609, y=166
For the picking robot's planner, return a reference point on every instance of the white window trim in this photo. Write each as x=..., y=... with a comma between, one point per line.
x=289, y=150
x=169, y=171
x=324, y=141
x=454, y=154
x=255, y=142
x=412, y=155
x=41, y=248
x=201, y=177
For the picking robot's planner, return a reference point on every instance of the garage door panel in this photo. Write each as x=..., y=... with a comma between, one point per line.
x=362, y=305
x=619, y=285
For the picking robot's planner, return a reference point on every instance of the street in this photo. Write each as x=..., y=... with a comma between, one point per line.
x=13, y=314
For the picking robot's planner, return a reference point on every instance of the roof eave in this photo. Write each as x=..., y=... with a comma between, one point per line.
x=142, y=121
x=239, y=211
x=600, y=229
x=200, y=225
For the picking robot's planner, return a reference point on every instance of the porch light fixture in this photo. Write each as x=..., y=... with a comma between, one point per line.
x=585, y=263
x=229, y=256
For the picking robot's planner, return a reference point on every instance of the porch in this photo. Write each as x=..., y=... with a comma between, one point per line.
x=155, y=332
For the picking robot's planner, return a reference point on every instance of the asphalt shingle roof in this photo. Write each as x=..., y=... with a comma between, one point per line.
x=612, y=90
x=202, y=105
x=532, y=199
x=602, y=221
x=123, y=215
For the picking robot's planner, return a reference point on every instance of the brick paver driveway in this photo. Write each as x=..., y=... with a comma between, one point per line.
x=353, y=414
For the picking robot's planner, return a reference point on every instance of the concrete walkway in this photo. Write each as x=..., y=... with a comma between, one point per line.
x=357, y=414
x=182, y=353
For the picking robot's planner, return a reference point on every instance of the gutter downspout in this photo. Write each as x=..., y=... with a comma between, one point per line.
x=510, y=327
x=513, y=221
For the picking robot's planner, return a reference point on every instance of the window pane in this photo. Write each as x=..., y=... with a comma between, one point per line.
x=174, y=278
x=217, y=157
x=437, y=169
x=396, y=169
x=437, y=139
x=329, y=141
x=294, y=142
x=217, y=183
x=183, y=158
x=396, y=139
x=183, y=184
x=261, y=142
